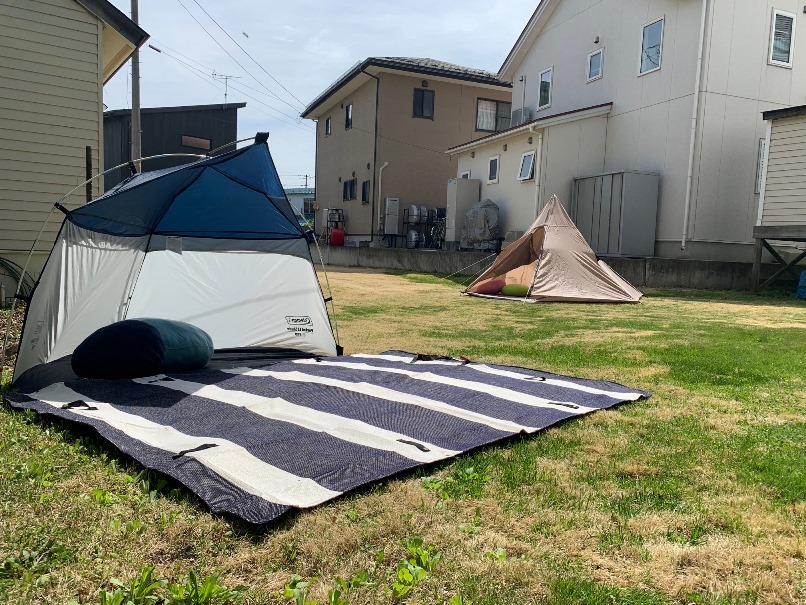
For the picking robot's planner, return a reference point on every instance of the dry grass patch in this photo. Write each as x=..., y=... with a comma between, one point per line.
x=693, y=496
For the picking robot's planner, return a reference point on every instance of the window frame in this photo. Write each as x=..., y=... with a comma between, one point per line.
x=531, y=175
x=588, y=78
x=548, y=70
x=495, y=125
x=662, y=21
x=348, y=116
x=203, y=143
x=770, y=60
x=426, y=92
x=348, y=189
x=366, y=191
x=328, y=126
x=497, y=159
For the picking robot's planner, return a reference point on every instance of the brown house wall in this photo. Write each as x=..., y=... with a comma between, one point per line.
x=418, y=167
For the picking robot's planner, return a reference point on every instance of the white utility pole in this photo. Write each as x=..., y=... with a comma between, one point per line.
x=137, y=149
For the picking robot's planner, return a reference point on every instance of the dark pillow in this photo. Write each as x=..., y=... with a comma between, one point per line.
x=133, y=348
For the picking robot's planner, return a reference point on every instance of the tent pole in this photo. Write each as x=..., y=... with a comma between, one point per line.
x=329, y=293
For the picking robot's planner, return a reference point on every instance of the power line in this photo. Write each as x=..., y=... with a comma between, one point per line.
x=200, y=74
x=213, y=72
x=233, y=58
x=250, y=56
x=380, y=136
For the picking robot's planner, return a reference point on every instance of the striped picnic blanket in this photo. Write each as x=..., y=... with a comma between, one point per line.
x=257, y=441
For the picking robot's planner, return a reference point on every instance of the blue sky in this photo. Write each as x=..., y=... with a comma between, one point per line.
x=305, y=45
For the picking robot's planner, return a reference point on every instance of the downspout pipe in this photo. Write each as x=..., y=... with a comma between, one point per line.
x=374, y=156
x=694, y=125
x=538, y=160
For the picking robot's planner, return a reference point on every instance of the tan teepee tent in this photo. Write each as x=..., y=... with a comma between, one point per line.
x=552, y=262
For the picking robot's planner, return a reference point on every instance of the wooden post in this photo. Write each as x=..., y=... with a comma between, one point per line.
x=756, y=273
x=88, y=173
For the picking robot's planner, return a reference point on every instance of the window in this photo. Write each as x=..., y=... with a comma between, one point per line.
x=782, y=36
x=651, y=47
x=197, y=142
x=308, y=205
x=327, y=127
x=492, y=115
x=595, y=65
x=492, y=169
x=365, y=192
x=464, y=175
x=423, y=103
x=349, y=189
x=348, y=116
x=527, y=170
x=544, y=89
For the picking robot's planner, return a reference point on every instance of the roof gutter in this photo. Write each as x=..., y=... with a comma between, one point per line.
x=595, y=111
x=694, y=126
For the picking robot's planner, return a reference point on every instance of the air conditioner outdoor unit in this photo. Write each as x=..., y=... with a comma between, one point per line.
x=521, y=115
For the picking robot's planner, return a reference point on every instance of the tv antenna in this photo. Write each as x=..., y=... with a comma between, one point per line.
x=226, y=82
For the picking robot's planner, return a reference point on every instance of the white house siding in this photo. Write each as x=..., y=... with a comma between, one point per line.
x=515, y=199
x=50, y=109
x=649, y=126
x=785, y=194
x=739, y=84
x=650, y=122
x=566, y=151
x=569, y=150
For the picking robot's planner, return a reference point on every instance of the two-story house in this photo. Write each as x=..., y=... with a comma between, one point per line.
x=55, y=56
x=382, y=129
x=670, y=87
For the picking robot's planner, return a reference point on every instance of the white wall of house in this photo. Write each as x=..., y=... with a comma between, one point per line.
x=563, y=151
x=515, y=199
x=649, y=127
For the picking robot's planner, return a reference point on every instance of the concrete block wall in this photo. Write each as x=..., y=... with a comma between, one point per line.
x=640, y=272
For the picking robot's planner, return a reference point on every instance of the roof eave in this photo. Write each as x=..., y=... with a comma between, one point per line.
x=110, y=15
x=583, y=113
x=786, y=112
x=532, y=29
x=385, y=65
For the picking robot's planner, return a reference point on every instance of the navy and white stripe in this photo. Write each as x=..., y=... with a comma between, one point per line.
x=257, y=441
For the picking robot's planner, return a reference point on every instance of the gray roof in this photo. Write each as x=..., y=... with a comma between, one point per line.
x=109, y=14
x=299, y=190
x=424, y=66
x=177, y=108
x=786, y=112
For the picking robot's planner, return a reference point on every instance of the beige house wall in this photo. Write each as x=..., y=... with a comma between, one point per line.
x=344, y=152
x=785, y=191
x=51, y=108
x=418, y=168
x=649, y=127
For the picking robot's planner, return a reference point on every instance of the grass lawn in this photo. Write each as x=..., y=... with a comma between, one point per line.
x=697, y=495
